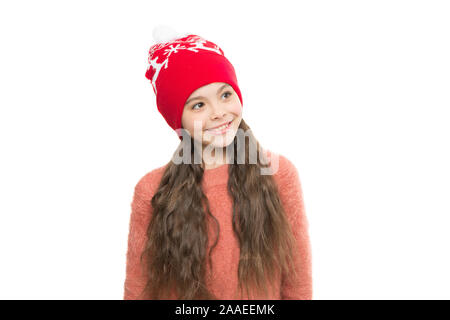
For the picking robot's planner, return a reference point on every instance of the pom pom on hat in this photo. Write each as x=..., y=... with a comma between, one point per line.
x=164, y=33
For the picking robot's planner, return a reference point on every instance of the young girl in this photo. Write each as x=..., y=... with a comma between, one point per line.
x=224, y=218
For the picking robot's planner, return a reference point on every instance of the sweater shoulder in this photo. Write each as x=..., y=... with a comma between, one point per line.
x=282, y=167
x=149, y=182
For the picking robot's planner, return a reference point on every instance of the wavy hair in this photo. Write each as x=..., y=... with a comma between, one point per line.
x=176, y=249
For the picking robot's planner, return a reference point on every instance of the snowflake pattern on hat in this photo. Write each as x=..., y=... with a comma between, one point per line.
x=159, y=54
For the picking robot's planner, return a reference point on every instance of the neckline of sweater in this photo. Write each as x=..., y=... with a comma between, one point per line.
x=216, y=176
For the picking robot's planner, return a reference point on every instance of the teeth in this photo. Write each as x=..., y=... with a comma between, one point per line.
x=220, y=128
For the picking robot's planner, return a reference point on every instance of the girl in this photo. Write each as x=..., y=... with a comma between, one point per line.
x=224, y=219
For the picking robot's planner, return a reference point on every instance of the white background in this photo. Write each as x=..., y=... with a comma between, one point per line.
x=354, y=93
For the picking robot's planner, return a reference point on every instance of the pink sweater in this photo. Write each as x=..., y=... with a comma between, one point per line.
x=225, y=255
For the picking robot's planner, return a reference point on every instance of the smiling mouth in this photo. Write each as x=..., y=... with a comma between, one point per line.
x=223, y=127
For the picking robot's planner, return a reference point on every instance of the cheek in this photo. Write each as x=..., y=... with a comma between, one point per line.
x=235, y=109
x=192, y=121
x=187, y=122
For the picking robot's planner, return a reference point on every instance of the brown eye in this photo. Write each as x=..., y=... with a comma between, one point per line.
x=228, y=92
x=193, y=107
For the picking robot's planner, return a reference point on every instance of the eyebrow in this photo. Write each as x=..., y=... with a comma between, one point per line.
x=200, y=97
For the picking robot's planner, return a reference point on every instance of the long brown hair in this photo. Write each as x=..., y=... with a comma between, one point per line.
x=175, y=251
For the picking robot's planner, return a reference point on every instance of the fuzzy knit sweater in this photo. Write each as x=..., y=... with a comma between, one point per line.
x=225, y=256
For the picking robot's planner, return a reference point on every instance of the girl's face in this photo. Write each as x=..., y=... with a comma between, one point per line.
x=211, y=106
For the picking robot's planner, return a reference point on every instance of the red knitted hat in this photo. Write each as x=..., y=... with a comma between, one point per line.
x=182, y=65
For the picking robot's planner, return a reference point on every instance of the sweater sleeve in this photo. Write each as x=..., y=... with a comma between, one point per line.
x=135, y=278
x=291, y=195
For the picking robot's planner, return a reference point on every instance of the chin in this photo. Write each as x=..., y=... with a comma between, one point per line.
x=220, y=141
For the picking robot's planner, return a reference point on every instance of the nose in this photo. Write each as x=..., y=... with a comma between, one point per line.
x=217, y=112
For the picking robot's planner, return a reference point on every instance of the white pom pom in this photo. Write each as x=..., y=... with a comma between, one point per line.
x=164, y=33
